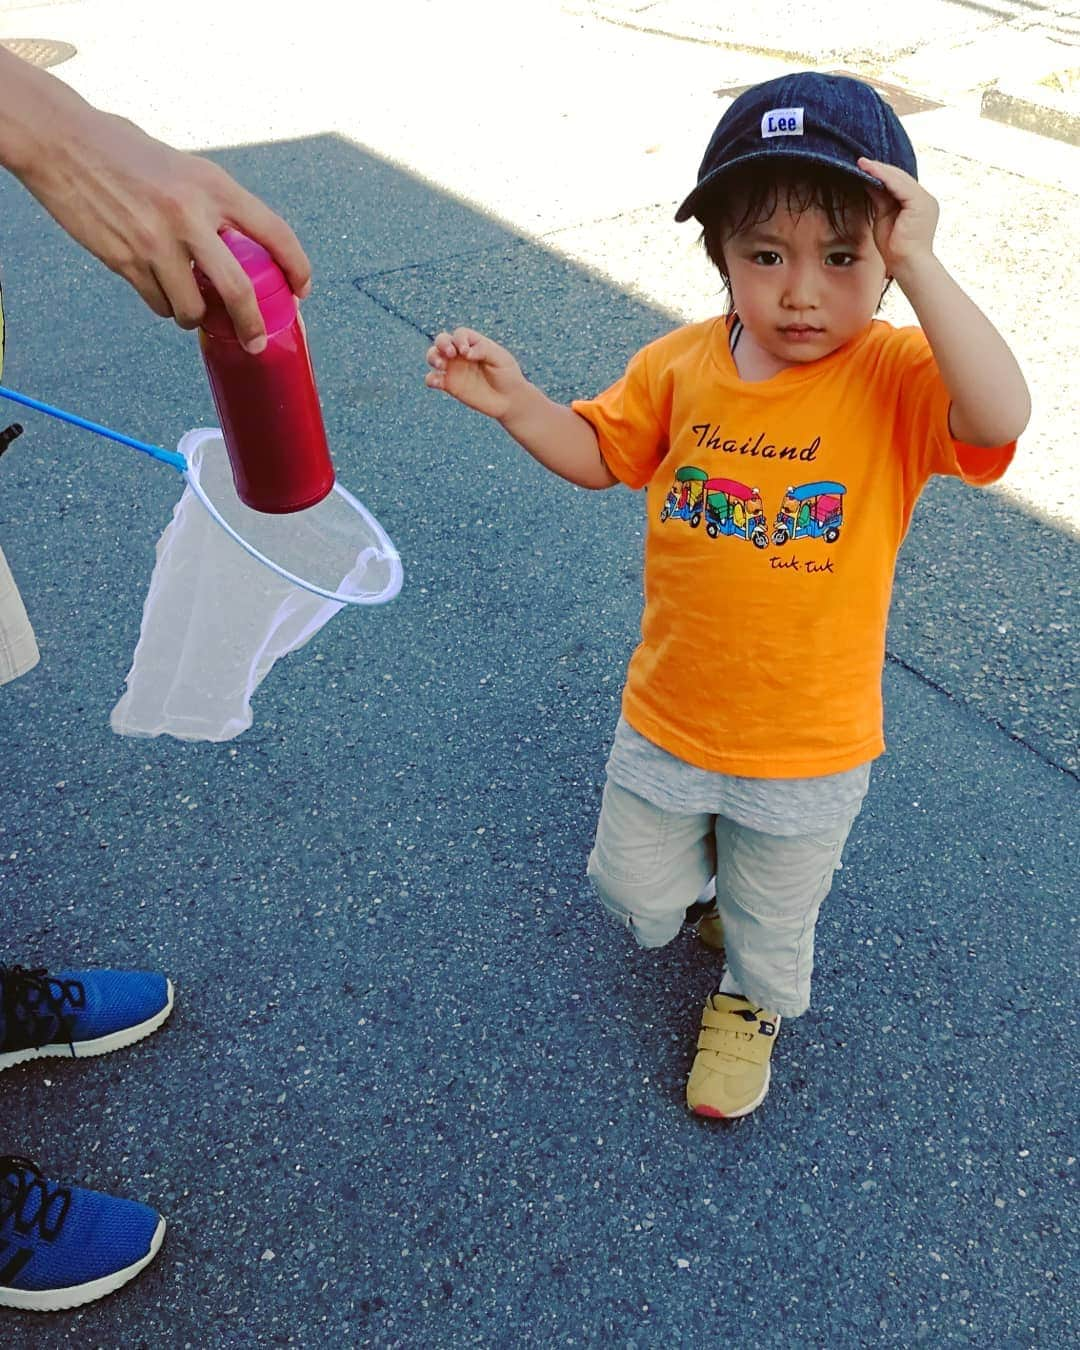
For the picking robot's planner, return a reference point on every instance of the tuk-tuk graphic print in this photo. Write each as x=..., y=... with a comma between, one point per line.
x=812, y=511
x=727, y=507
x=686, y=496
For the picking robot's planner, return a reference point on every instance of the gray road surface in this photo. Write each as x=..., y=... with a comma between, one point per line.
x=416, y=1090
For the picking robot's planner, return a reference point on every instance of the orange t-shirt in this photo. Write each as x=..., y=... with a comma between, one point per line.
x=775, y=513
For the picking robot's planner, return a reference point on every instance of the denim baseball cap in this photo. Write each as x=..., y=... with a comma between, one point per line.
x=808, y=117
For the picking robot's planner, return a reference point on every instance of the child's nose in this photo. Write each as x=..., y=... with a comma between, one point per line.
x=801, y=290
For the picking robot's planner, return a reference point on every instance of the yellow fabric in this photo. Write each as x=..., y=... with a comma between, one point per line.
x=711, y=932
x=730, y=1073
x=761, y=658
x=732, y=1037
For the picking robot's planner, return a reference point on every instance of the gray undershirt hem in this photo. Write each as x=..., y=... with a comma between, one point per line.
x=782, y=806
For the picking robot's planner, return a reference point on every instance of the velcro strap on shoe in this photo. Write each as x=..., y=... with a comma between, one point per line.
x=729, y=1034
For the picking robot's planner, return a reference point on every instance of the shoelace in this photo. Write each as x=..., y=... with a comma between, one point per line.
x=25, y=1194
x=33, y=1002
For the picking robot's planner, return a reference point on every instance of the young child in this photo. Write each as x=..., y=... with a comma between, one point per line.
x=782, y=449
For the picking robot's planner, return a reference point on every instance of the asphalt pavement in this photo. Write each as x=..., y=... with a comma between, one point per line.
x=417, y=1090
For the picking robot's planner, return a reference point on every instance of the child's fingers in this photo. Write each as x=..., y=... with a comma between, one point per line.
x=871, y=167
x=900, y=184
x=885, y=204
x=442, y=351
x=463, y=342
x=435, y=379
x=443, y=346
x=473, y=346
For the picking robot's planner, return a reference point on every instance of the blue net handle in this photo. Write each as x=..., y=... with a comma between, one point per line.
x=386, y=553
x=154, y=451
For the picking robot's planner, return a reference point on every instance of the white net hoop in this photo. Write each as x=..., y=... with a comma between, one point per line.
x=337, y=538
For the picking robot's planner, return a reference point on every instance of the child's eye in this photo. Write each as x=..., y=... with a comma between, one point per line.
x=840, y=259
x=767, y=258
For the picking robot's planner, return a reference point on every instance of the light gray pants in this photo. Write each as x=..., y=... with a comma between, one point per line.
x=648, y=865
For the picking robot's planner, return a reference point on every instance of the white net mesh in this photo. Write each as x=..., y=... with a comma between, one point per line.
x=218, y=614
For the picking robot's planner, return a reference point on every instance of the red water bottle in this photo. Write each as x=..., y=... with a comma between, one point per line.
x=267, y=404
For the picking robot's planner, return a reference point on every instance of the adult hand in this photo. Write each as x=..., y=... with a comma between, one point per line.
x=146, y=210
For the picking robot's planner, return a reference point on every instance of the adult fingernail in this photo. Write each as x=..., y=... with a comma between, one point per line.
x=255, y=346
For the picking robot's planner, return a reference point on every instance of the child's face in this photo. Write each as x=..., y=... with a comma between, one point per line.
x=800, y=289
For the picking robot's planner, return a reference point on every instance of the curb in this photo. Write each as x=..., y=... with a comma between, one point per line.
x=1035, y=107
x=1037, y=95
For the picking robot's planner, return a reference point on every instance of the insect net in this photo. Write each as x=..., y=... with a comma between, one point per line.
x=234, y=590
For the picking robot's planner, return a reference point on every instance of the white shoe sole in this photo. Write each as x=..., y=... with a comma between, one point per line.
x=104, y=1045
x=55, y=1300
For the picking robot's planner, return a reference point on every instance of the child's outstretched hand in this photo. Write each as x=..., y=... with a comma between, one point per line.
x=475, y=370
x=905, y=216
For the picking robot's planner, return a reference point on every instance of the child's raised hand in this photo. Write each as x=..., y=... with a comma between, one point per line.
x=475, y=371
x=905, y=216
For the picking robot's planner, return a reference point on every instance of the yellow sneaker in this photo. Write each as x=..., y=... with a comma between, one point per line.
x=710, y=929
x=730, y=1073
x=704, y=917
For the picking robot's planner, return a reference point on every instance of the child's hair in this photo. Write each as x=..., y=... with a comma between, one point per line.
x=752, y=193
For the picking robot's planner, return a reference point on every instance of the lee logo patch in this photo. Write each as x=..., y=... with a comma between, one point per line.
x=782, y=122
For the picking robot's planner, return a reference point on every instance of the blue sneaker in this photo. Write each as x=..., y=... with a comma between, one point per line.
x=61, y=1246
x=77, y=1013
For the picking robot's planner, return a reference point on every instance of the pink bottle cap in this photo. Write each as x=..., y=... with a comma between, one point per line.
x=277, y=304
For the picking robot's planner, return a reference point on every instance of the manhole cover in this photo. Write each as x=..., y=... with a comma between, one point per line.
x=902, y=101
x=43, y=52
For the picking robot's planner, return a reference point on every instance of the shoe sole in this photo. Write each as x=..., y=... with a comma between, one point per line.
x=713, y=1114
x=103, y=1045
x=56, y=1300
